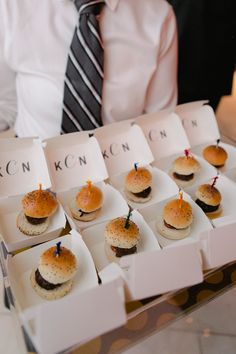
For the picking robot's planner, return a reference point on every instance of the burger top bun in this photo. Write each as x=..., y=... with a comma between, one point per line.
x=89, y=198
x=118, y=236
x=208, y=194
x=39, y=204
x=138, y=180
x=215, y=155
x=55, y=268
x=185, y=165
x=178, y=214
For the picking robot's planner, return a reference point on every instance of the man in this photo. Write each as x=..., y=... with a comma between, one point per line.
x=139, y=71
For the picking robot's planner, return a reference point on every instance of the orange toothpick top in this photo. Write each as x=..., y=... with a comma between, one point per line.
x=180, y=198
x=89, y=183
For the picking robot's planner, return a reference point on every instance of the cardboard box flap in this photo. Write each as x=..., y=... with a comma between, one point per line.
x=218, y=239
x=71, y=320
x=122, y=145
x=22, y=166
x=73, y=159
x=164, y=133
x=199, y=122
x=175, y=268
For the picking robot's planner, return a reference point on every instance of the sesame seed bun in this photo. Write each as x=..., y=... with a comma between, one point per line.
x=172, y=234
x=89, y=198
x=178, y=214
x=54, y=294
x=57, y=269
x=118, y=236
x=29, y=229
x=39, y=204
x=208, y=194
x=138, y=180
x=184, y=165
x=215, y=155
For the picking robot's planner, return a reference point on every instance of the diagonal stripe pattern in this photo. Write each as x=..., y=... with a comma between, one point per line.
x=84, y=72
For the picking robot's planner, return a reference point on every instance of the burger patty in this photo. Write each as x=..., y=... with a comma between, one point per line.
x=169, y=226
x=35, y=221
x=123, y=251
x=144, y=194
x=83, y=212
x=207, y=208
x=183, y=177
x=44, y=283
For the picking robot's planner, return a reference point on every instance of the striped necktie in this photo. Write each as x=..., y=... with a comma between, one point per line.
x=84, y=72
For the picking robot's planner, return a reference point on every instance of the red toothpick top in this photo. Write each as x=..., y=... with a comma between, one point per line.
x=187, y=152
x=214, y=181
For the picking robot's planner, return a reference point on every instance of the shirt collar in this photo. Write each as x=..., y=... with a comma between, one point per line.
x=112, y=4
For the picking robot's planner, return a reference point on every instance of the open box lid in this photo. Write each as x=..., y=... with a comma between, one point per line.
x=22, y=166
x=156, y=272
x=164, y=133
x=199, y=122
x=219, y=244
x=123, y=144
x=73, y=159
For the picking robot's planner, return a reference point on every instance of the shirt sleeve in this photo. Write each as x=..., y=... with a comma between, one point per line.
x=8, y=100
x=162, y=89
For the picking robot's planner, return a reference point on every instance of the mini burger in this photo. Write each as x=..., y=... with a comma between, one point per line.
x=215, y=155
x=37, y=207
x=184, y=170
x=176, y=220
x=138, y=185
x=121, y=238
x=87, y=203
x=53, y=277
x=209, y=198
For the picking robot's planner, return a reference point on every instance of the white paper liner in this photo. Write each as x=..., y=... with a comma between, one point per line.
x=13, y=238
x=200, y=223
x=163, y=187
x=113, y=205
x=21, y=265
x=94, y=239
x=206, y=171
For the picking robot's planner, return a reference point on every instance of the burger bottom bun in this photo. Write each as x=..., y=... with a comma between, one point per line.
x=85, y=217
x=180, y=183
x=215, y=214
x=111, y=256
x=171, y=234
x=136, y=199
x=30, y=229
x=54, y=294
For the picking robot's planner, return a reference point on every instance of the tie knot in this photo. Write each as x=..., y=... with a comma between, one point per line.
x=89, y=6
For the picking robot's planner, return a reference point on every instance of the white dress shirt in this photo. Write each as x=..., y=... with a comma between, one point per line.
x=140, y=49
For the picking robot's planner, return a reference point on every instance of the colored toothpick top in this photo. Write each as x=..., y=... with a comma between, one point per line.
x=136, y=166
x=214, y=181
x=217, y=142
x=127, y=224
x=180, y=198
x=58, y=249
x=186, y=151
x=89, y=183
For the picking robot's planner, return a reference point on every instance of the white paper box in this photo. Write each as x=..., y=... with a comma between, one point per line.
x=94, y=239
x=114, y=205
x=13, y=238
x=200, y=223
x=199, y=122
x=23, y=166
x=164, y=133
x=122, y=145
x=163, y=187
x=206, y=172
x=219, y=244
x=73, y=159
x=82, y=314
